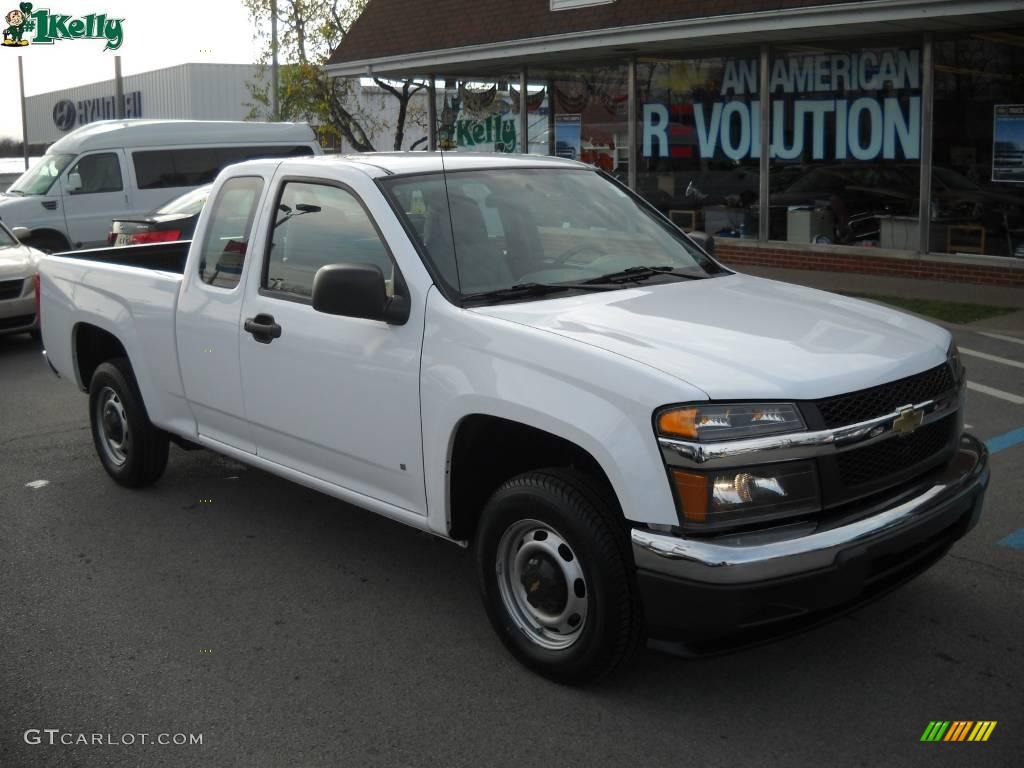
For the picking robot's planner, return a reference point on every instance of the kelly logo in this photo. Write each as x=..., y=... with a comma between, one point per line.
x=49, y=27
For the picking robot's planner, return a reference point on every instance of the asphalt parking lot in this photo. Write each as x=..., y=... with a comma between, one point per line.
x=291, y=630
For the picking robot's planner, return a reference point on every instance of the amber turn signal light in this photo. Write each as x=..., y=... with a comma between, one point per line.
x=692, y=495
x=681, y=422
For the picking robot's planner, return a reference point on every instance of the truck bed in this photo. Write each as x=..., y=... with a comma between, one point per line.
x=164, y=257
x=130, y=293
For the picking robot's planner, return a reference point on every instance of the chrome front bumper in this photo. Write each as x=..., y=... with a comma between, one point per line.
x=966, y=476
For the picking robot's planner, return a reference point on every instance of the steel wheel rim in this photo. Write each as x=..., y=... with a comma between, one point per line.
x=542, y=585
x=112, y=422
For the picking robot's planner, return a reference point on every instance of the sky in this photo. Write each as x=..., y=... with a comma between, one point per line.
x=155, y=35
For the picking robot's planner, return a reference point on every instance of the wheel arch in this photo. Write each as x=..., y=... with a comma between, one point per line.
x=91, y=346
x=486, y=450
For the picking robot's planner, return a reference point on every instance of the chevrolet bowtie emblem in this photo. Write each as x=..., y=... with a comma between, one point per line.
x=909, y=419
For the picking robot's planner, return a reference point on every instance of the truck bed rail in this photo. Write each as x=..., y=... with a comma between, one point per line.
x=165, y=257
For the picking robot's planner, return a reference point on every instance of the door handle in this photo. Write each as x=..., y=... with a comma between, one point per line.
x=263, y=328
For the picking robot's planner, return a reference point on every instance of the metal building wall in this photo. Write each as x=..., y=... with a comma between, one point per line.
x=185, y=91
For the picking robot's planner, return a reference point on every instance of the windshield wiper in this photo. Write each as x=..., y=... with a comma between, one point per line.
x=525, y=290
x=15, y=192
x=636, y=274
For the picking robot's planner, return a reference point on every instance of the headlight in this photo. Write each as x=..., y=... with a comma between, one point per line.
x=953, y=358
x=708, y=423
x=749, y=494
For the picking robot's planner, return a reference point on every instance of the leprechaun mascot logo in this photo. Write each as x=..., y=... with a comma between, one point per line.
x=19, y=23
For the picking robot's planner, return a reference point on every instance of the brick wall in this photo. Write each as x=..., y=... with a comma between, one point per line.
x=738, y=254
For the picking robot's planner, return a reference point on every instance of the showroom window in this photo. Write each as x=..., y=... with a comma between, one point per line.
x=846, y=144
x=699, y=141
x=977, y=202
x=589, y=115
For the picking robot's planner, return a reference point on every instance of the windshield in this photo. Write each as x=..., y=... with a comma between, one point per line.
x=38, y=179
x=190, y=203
x=549, y=226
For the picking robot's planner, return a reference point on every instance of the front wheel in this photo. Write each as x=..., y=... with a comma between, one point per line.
x=557, y=576
x=131, y=449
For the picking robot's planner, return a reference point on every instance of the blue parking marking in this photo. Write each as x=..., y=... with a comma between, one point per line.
x=1002, y=442
x=1014, y=540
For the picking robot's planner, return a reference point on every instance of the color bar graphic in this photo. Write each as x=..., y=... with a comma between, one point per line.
x=958, y=730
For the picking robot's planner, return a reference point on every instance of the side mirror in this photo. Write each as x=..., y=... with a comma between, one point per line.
x=74, y=182
x=22, y=233
x=704, y=240
x=357, y=290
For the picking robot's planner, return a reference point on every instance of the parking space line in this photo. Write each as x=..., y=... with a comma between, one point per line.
x=1014, y=540
x=992, y=358
x=1008, y=396
x=1002, y=442
x=999, y=336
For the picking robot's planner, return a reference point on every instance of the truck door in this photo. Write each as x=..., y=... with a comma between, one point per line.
x=333, y=397
x=94, y=191
x=209, y=311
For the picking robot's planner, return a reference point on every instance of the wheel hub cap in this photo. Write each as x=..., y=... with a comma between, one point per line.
x=113, y=435
x=542, y=585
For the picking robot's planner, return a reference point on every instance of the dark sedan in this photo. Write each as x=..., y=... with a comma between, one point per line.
x=175, y=220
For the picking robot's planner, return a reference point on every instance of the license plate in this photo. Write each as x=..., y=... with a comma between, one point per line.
x=123, y=240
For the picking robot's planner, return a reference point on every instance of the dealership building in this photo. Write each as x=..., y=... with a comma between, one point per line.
x=875, y=136
x=183, y=92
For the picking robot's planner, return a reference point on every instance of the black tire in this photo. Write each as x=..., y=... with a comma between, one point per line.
x=142, y=449
x=578, y=512
x=49, y=242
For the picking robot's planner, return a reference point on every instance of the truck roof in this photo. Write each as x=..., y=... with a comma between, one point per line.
x=399, y=163
x=112, y=134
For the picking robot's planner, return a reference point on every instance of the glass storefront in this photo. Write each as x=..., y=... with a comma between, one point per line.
x=977, y=203
x=845, y=137
x=699, y=141
x=845, y=144
x=589, y=118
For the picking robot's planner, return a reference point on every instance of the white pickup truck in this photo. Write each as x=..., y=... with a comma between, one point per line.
x=521, y=354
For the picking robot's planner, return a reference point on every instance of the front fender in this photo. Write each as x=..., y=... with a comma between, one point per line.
x=600, y=401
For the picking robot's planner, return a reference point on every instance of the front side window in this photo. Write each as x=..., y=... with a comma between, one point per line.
x=38, y=179
x=228, y=230
x=99, y=173
x=318, y=225
x=549, y=226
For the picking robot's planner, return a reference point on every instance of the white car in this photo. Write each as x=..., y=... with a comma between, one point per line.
x=18, y=268
x=520, y=354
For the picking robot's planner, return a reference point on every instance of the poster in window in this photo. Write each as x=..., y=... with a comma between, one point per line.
x=568, y=130
x=1008, y=143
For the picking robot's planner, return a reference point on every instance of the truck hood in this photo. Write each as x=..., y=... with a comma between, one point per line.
x=17, y=261
x=744, y=337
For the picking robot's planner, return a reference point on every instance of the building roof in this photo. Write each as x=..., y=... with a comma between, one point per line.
x=496, y=37
x=456, y=23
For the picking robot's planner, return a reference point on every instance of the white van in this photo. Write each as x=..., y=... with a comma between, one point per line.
x=111, y=168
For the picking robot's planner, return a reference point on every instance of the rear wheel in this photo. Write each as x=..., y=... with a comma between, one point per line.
x=49, y=242
x=557, y=576
x=131, y=449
